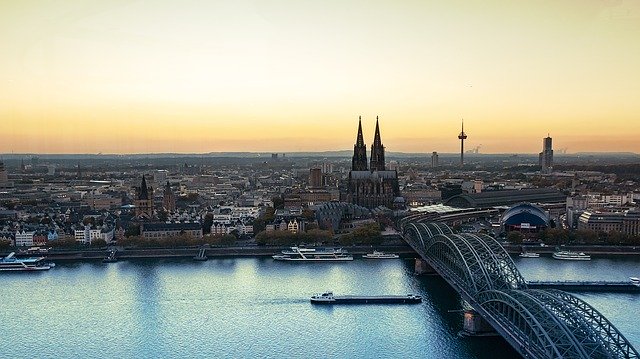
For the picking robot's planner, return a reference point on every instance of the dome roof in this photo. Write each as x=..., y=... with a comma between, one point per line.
x=525, y=213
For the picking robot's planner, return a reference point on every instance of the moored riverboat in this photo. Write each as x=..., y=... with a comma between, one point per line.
x=571, y=256
x=11, y=263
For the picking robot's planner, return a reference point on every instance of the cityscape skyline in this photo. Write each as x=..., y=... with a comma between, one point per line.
x=91, y=77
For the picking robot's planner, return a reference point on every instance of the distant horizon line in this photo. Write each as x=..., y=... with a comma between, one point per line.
x=268, y=153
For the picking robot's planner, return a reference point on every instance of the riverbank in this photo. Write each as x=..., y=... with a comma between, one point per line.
x=212, y=252
x=267, y=251
x=588, y=249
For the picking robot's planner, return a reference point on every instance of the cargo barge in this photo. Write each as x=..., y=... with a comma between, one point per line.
x=329, y=298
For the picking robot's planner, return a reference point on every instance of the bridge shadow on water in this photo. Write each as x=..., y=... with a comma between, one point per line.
x=445, y=308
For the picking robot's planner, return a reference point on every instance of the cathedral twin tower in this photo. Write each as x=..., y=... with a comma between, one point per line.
x=359, y=160
x=370, y=184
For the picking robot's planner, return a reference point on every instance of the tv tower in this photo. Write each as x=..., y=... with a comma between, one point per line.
x=462, y=136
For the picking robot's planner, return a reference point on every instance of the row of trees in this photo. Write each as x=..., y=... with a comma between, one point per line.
x=286, y=238
x=183, y=240
x=369, y=234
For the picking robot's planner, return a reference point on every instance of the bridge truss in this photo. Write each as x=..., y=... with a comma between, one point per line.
x=537, y=323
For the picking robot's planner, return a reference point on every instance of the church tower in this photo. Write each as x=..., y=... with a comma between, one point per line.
x=144, y=200
x=377, y=151
x=168, y=199
x=359, y=160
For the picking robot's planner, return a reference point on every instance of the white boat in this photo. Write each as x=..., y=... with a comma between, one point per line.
x=571, y=256
x=635, y=281
x=380, y=255
x=529, y=255
x=312, y=251
x=11, y=263
x=309, y=255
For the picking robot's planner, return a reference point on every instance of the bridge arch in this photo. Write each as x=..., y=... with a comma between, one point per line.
x=538, y=323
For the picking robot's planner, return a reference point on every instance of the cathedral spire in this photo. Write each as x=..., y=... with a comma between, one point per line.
x=360, y=138
x=377, y=151
x=359, y=160
x=376, y=138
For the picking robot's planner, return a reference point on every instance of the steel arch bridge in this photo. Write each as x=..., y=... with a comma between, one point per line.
x=537, y=323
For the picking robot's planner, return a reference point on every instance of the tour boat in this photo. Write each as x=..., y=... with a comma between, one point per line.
x=313, y=255
x=312, y=251
x=529, y=255
x=380, y=255
x=572, y=256
x=11, y=263
x=635, y=281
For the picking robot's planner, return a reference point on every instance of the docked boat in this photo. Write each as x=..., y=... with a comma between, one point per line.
x=529, y=255
x=11, y=263
x=571, y=256
x=635, y=281
x=313, y=255
x=380, y=255
x=311, y=251
x=329, y=298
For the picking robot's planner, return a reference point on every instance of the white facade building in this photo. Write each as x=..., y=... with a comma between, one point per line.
x=24, y=238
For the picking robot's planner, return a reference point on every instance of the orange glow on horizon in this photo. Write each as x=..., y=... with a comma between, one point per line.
x=93, y=76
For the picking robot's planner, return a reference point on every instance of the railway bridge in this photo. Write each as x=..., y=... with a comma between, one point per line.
x=537, y=323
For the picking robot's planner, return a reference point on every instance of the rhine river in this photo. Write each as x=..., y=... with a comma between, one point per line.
x=259, y=308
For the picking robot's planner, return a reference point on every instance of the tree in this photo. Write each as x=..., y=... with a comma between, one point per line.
x=132, y=230
x=4, y=244
x=207, y=223
x=260, y=223
x=278, y=202
x=228, y=240
x=99, y=242
x=308, y=214
x=163, y=215
x=515, y=237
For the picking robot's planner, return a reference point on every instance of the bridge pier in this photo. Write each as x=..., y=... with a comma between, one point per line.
x=422, y=267
x=475, y=325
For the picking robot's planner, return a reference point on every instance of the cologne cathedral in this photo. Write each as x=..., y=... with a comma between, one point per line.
x=371, y=184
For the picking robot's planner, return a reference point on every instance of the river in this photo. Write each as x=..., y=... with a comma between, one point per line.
x=257, y=307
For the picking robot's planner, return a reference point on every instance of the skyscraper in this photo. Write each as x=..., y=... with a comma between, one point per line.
x=434, y=160
x=546, y=156
x=315, y=177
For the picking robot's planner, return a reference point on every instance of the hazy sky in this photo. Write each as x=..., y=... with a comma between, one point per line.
x=123, y=76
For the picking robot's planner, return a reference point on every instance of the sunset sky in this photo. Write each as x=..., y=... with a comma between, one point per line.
x=197, y=76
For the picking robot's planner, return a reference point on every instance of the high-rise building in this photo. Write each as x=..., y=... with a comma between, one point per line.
x=374, y=186
x=434, y=160
x=546, y=156
x=315, y=178
x=168, y=198
x=144, y=200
